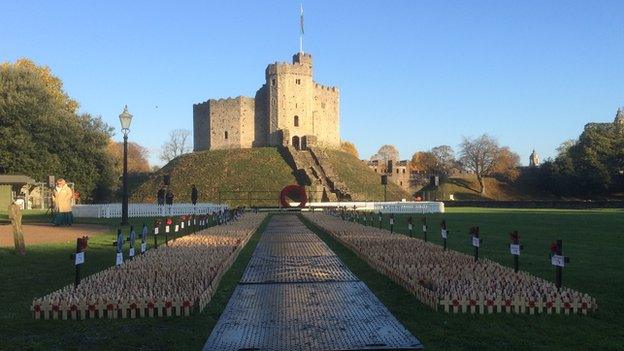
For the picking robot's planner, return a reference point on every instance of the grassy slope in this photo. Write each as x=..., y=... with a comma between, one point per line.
x=466, y=187
x=258, y=169
x=363, y=182
x=591, y=238
x=262, y=170
x=47, y=267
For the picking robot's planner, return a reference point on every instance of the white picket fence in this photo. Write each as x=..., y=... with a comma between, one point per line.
x=144, y=210
x=383, y=207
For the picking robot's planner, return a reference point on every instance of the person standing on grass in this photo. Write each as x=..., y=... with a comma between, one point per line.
x=62, y=197
x=169, y=197
x=194, y=195
x=15, y=215
x=161, y=196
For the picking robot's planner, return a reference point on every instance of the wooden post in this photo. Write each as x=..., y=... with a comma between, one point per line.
x=514, y=249
x=443, y=233
x=476, y=241
x=78, y=257
x=558, y=260
x=156, y=232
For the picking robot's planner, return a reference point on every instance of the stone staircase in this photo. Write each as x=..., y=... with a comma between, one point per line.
x=338, y=187
x=307, y=165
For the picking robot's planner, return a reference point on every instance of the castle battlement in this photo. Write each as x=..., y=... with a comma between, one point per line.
x=325, y=87
x=289, y=109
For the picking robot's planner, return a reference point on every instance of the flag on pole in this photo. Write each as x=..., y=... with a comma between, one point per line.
x=301, y=18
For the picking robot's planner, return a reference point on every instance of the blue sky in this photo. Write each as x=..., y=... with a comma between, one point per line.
x=415, y=74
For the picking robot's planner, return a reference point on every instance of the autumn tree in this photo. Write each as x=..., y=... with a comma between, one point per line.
x=349, y=148
x=176, y=145
x=423, y=161
x=507, y=164
x=41, y=133
x=386, y=153
x=479, y=155
x=137, y=157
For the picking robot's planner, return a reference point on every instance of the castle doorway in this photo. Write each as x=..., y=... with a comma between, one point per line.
x=295, y=142
x=304, y=143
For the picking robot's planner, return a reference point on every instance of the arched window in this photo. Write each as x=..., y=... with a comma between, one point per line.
x=226, y=134
x=296, y=121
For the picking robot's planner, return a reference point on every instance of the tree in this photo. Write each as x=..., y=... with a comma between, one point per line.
x=176, y=146
x=479, y=156
x=137, y=157
x=386, y=153
x=349, y=148
x=423, y=161
x=507, y=164
x=444, y=159
x=41, y=133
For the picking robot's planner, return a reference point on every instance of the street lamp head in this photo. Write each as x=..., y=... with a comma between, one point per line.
x=125, y=118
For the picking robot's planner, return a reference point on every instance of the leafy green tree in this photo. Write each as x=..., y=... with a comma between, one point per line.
x=41, y=132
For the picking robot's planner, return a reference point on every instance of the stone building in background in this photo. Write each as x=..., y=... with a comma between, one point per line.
x=289, y=109
x=534, y=159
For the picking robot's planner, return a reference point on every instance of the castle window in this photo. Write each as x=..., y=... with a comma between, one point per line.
x=322, y=105
x=298, y=81
x=273, y=82
x=226, y=134
x=296, y=122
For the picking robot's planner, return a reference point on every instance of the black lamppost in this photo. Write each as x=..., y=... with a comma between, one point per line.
x=125, y=118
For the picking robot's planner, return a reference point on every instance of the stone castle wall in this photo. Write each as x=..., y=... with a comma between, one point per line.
x=289, y=109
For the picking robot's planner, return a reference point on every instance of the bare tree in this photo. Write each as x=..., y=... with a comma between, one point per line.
x=444, y=159
x=385, y=153
x=480, y=155
x=176, y=146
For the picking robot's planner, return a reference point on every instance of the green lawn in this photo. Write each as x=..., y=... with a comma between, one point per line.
x=46, y=268
x=591, y=238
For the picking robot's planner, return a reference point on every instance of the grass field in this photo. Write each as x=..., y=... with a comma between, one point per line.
x=593, y=239
x=46, y=268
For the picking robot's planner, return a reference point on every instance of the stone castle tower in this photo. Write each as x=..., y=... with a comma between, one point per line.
x=289, y=109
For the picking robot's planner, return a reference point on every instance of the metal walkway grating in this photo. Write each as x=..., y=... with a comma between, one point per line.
x=296, y=294
x=263, y=269
x=323, y=316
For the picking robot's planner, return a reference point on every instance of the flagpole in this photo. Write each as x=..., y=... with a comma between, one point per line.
x=301, y=31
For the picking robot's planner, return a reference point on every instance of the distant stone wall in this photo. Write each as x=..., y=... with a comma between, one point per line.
x=327, y=116
x=201, y=126
x=227, y=117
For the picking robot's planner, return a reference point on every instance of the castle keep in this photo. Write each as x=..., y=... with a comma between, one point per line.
x=289, y=109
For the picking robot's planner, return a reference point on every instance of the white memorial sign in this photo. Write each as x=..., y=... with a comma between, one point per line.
x=476, y=242
x=557, y=260
x=79, y=259
x=514, y=249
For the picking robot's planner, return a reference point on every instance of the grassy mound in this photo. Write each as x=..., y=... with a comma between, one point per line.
x=232, y=176
x=466, y=187
x=362, y=181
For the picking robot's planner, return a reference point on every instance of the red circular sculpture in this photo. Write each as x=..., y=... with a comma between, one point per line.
x=294, y=192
